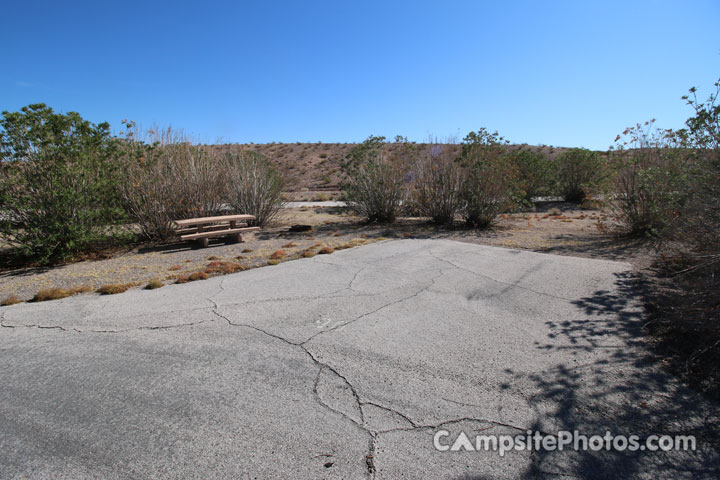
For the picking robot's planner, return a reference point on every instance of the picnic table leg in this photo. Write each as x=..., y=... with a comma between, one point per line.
x=202, y=242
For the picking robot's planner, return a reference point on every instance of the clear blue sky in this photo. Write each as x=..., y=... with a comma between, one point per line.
x=564, y=73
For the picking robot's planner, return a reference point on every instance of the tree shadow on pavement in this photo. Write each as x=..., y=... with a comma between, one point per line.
x=622, y=389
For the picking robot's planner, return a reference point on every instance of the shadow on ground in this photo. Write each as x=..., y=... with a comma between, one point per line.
x=644, y=401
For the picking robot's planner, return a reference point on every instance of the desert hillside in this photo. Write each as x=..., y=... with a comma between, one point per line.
x=316, y=166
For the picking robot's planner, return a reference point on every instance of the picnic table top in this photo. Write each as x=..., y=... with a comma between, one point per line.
x=206, y=220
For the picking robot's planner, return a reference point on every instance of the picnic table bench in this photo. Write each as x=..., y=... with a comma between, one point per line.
x=202, y=229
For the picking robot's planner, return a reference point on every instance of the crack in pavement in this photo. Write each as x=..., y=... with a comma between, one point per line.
x=362, y=424
x=515, y=285
x=390, y=304
x=393, y=411
x=124, y=330
x=323, y=368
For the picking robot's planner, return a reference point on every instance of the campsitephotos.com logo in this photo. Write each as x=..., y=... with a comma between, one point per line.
x=444, y=441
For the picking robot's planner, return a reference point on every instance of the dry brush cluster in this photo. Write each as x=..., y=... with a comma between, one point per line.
x=67, y=184
x=169, y=181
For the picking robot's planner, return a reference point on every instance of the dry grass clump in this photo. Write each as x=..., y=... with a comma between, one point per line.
x=213, y=257
x=224, y=267
x=195, y=276
x=326, y=250
x=175, y=268
x=273, y=262
x=247, y=250
x=58, y=293
x=115, y=288
x=356, y=242
x=290, y=245
x=278, y=255
x=154, y=284
x=307, y=253
x=11, y=300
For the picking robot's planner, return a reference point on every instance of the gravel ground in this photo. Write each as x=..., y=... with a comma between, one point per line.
x=575, y=232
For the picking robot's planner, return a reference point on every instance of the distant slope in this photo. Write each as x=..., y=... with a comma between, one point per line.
x=316, y=166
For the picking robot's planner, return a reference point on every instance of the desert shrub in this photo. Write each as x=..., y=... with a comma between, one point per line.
x=167, y=182
x=326, y=250
x=437, y=187
x=535, y=174
x=58, y=293
x=489, y=184
x=223, y=267
x=650, y=185
x=154, y=284
x=375, y=187
x=255, y=187
x=58, y=182
x=115, y=288
x=580, y=172
x=193, y=277
x=11, y=300
x=698, y=224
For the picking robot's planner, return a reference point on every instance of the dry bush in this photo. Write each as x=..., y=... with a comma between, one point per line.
x=171, y=182
x=650, y=184
x=11, y=300
x=224, y=267
x=307, y=253
x=326, y=250
x=255, y=187
x=437, y=189
x=154, y=284
x=115, y=288
x=278, y=254
x=290, y=245
x=273, y=262
x=58, y=293
x=195, y=276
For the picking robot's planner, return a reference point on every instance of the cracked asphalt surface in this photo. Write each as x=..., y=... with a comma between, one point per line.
x=345, y=366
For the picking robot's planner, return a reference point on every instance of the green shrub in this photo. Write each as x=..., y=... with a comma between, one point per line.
x=580, y=172
x=489, y=185
x=58, y=182
x=535, y=174
x=375, y=187
x=154, y=284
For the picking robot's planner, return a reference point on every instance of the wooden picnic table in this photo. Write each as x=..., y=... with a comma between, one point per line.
x=203, y=228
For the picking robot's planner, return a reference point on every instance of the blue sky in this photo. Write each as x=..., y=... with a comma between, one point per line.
x=564, y=73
